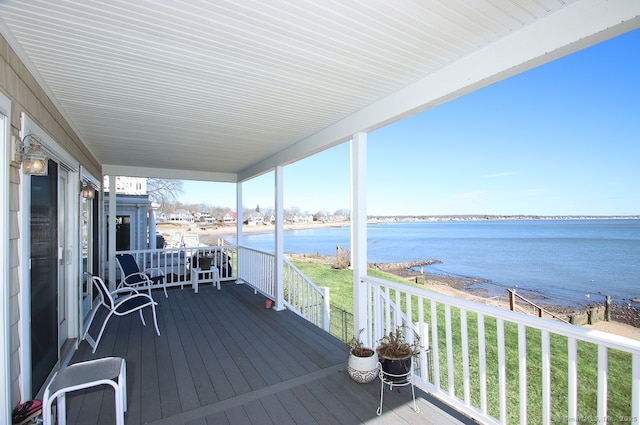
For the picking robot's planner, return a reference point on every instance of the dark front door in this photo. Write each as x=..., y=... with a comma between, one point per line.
x=44, y=276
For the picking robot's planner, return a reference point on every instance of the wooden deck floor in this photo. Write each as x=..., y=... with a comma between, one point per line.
x=223, y=359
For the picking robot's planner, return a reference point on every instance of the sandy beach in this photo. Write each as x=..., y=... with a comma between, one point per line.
x=207, y=234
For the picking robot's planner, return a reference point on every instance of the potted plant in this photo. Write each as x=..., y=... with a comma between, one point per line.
x=396, y=354
x=363, y=362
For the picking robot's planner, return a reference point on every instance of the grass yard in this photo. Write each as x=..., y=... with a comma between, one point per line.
x=619, y=386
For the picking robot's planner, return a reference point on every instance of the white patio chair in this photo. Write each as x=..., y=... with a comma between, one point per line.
x=119, y=302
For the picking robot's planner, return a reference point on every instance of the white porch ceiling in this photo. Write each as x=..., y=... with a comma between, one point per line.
x=227, y=90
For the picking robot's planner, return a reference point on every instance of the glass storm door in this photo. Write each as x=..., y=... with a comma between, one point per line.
x=64, y=256
x=44, y=275
x=89, y=228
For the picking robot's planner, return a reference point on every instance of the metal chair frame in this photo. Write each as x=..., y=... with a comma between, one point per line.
x=120, y=302
x=133, y=276
x=110, y=371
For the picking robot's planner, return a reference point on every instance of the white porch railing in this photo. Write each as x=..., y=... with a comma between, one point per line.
x=257, y=269
x=176, y=263
x=302, y=296
x=254, y=268
x=505, y=367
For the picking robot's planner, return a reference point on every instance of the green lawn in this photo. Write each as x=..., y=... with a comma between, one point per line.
x=341, y=289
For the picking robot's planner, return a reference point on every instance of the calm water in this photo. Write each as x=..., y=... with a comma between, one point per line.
x=567, y=262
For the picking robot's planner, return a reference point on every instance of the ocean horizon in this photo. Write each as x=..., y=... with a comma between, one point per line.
x=563, y=262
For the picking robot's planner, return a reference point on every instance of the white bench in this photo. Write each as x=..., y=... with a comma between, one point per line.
x=106, y=371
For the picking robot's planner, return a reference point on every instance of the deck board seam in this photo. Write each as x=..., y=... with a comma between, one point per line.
x=245, y=398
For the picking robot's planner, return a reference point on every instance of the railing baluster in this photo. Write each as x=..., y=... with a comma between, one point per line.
x=424, y=340
x=326, y=309
x=449, y=341
x=522, y=371
x=466, y=381
x=603, y=378
x=572, y=375
x=378, y=311
x=409, y=312
x=371, y=313
x=546, y=377
x=435, y=349
x=502, y=371
x=482, y=366
x=635, y=387
x=387, y=311
x=397, y=320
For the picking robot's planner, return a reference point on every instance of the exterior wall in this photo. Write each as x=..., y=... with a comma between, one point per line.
x=27, y=96
x=127, y=185
x=138, y=207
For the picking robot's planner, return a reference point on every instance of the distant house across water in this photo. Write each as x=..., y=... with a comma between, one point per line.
x=255, y=219
x=181, y=216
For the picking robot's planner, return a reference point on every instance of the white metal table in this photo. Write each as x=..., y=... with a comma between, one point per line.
x=199, y=276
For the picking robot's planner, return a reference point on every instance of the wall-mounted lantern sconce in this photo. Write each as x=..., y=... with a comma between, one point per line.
x=88, y=192
x=34, y=161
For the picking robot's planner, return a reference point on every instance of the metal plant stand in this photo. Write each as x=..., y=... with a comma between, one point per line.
x=396, y=381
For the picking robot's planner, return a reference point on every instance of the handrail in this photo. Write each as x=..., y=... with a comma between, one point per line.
x=512, y=304
x=256, y=268
x=463, y=358
x=304, y=297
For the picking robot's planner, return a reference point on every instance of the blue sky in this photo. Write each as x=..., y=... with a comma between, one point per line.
x=561, y=139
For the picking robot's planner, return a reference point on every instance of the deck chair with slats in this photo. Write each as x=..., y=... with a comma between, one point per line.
x=120, y=302
x=134, y=277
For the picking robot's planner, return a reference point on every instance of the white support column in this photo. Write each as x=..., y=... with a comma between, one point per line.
x=111, y=255
x=279, y=269
x=326, y=309
x=239, y=218
x=152, y=228
x=359, y=231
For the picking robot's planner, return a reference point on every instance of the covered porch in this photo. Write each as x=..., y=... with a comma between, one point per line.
x=222, y=358
x=225, y=92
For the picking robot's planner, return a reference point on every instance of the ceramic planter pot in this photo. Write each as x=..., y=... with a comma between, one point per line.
x=363, y=369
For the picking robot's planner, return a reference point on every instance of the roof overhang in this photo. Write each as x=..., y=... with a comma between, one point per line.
x=226, y=92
